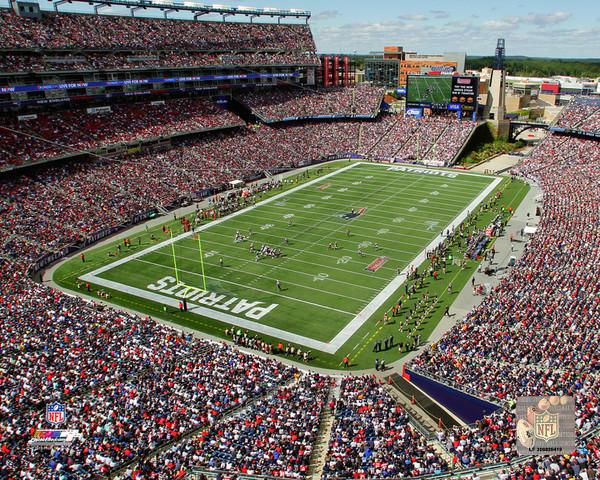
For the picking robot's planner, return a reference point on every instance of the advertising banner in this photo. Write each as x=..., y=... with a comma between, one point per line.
x=464, y=91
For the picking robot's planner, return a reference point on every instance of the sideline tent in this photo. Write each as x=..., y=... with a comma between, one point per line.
x=236, y=184
x=529, y=230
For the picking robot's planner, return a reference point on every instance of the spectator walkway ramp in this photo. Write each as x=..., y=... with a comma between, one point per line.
x=426, y=414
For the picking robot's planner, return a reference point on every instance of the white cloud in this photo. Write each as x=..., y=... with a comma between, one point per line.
x=548, y=18
x=525, y=35
x=415, y=17
x=325, y=15
x=539, y=19
x=439, y=13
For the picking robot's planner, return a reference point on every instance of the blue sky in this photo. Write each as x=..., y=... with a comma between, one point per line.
x=535, y=28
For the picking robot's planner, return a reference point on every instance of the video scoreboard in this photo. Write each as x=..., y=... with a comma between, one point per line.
x=441, y=92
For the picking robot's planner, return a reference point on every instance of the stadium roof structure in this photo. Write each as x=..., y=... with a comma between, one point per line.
x=198, y=9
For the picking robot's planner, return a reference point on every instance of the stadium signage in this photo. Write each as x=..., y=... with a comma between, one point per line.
x=23, y=118
x=288, y=119
x=414, y=112
x=105, y=109
x=423, y=171
x=53, y=438
x=143, y=81
x=254, y=310
x=464, y=91
x=442, y=69
x=56, y=413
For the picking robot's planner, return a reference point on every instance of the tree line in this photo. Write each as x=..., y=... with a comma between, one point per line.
x=541, y=67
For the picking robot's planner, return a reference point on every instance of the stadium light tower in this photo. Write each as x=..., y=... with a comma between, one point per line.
x=496, y=105
x=500, y=53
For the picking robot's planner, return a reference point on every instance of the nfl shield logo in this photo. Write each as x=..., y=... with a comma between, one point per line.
x=55, y=413
x=546, y=425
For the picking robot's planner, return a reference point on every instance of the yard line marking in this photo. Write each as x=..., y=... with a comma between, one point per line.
x=206, y=262
x=310, y=244
x=333, y=257
x=355, y=228
x=220, y=279
x=337, y=229
x=372, y=275
x=358, y=222
x=403, y=209
x=218, y=221
x=409, y=195
x=344, y=335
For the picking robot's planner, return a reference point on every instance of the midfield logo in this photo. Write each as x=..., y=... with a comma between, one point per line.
x=353, y=214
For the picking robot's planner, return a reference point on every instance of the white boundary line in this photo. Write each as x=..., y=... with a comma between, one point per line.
x=342, y=337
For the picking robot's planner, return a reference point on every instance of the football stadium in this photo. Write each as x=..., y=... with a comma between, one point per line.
x=228, y=255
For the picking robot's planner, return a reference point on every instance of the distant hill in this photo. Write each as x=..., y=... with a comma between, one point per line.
x=541, y=67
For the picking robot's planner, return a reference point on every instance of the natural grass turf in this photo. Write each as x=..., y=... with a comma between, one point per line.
x=348, y=287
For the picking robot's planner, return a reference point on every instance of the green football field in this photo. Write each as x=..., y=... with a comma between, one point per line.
x=383, y=218
x=429, y=89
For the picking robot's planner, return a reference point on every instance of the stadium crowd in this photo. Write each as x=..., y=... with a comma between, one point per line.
x=83, y=61
x=274, y=436
x=583, y=463
x=390, y=137
x=71, y=131
x=103, y=32
x=490, y=440
x=140, y=385
x=536, y=333
x=582, y=114
x=371, y=436
x=277, y=105
x=432, y=141
x=137, y=385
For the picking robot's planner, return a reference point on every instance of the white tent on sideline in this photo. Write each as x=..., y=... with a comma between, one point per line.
x=529, y=230
x=236, y=184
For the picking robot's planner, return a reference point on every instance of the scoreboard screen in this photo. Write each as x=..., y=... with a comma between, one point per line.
x=428, y=91
x=442, y=92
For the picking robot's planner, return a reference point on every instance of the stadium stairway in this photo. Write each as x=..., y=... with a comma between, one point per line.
x=124, y=471
x=420, y=419
x=431, y=149
x=321, y=446
x=401, y=144
x=359, y=141
x=381, y=138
